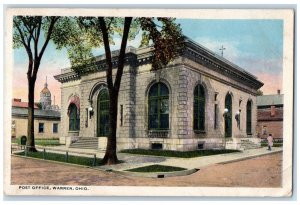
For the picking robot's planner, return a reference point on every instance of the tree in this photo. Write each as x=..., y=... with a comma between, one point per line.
x=27, y=32
x=162, y=33
x=39, y=105
x=33, y=33
x=259, y=93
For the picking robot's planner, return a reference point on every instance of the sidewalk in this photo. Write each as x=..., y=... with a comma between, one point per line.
x=134, y=161
x=131, y=161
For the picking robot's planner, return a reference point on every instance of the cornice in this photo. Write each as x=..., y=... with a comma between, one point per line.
x=210, y=60
x=192, y=51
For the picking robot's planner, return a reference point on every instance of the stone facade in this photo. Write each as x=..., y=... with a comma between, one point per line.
x=195, y=66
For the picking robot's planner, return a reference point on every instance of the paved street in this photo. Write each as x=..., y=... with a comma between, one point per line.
x=263, y=171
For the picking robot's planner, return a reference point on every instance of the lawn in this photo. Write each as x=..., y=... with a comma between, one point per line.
x=169, y=153
x=156, y=168
x=47, y=142
x=41, y=142
x=274, y=144
x=87, y=161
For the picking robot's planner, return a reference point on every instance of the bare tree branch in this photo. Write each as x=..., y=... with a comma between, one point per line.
x=37, y=36
x=21, y=34
x=122, y=52
x=50, y=29
x=30, y=30
x=103, y=28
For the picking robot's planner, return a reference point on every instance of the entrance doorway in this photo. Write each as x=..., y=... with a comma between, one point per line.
x=228, y=116
x=103, y=113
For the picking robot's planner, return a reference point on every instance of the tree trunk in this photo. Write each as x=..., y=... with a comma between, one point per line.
x=110, y=156
x=111, y=147
x=30, y=126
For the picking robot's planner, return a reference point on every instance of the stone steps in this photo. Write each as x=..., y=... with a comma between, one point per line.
x=247, y=144
x=85, y=143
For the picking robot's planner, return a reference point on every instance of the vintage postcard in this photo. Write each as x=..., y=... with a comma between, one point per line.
x=148, y=102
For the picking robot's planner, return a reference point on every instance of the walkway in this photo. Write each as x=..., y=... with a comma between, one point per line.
x=132, y=160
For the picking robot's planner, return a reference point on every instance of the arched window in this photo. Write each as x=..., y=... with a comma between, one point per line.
x=199, y=108
x=103, y=113
x=158, y=107
x=74, y=118
x=228, y=116
x=249, y=117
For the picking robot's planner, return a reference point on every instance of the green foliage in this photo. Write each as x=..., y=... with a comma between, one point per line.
x=87, y=161
x=156, y=168
x=47, y=142
x=167, y=39
x=259, y=92
x=41, y=142
x=39, y=105
x=170, y=153
x=162, y=33
x=276, y=142
x=66, y=33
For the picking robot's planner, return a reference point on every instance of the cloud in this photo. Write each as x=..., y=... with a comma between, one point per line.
x=267, y=70
x=272, y=82
x=231, y=51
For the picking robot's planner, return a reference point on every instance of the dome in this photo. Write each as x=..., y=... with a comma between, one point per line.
x=45, y=91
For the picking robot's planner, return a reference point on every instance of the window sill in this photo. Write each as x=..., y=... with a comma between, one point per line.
x=199, y=131
x=158, y=133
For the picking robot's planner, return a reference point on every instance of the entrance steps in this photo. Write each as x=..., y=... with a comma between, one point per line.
x=85, y=143
x=247, y=144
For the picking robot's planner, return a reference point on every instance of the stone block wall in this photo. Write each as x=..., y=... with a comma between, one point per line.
x=181, y=77
x=68, y=90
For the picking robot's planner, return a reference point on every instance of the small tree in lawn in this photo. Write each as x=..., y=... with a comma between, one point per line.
x=33, y=33
x=162, y=33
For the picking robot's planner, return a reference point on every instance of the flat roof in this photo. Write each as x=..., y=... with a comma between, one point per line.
x=23, y=112
x=266, y=100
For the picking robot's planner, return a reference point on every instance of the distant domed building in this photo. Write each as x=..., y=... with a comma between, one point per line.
x=45, y=97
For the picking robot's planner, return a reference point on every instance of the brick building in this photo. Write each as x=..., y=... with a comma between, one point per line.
x=199, y=101
x=270, y=115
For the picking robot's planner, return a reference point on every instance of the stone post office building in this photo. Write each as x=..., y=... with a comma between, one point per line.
x=199, y=101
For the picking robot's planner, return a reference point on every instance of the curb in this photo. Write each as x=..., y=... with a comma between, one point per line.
x=249, y=157
x=156, y=174
x=169, y=157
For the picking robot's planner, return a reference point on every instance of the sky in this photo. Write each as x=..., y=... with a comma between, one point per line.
x=254, y=45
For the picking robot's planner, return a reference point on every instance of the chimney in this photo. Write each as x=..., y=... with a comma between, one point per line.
x=278, y=92
x=272, y=111
x=17, y=100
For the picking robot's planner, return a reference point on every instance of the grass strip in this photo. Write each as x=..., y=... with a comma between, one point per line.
x=41, y=142
x=49, y=142
x=170, y=153
x=156, y=168
x=274, y=144
x=87, y=161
